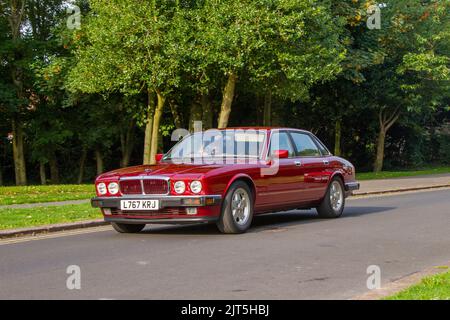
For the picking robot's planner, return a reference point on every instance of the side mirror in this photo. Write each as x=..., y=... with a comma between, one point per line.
x=280, y=154
x=158, y=157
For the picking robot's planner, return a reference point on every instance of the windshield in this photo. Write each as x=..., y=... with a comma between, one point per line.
x=219, y=144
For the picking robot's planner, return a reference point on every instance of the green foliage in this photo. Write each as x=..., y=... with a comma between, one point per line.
x=435, y=287
x=124, y=47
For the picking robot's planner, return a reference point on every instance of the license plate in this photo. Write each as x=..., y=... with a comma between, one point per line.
x=139, y=205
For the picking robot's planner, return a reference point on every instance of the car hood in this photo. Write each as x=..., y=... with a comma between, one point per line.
x=168, y=170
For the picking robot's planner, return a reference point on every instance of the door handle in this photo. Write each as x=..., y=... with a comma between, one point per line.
x=326, y=162
x=298, y=163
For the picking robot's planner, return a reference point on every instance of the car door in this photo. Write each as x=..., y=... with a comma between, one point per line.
x=281, y=189
x=313, y=166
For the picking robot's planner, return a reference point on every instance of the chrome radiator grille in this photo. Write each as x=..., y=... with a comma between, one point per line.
x=145, y=186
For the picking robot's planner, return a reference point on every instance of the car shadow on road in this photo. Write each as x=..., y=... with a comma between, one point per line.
x=297, y=217
x=270, y=221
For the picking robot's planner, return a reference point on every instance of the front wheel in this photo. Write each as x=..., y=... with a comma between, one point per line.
x=333, y=203
x=127, y=228
x=237, y=209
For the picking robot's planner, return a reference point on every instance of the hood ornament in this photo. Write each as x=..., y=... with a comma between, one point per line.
x=148, y=170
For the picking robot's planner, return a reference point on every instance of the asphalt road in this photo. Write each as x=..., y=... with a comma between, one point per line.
x=291, y=255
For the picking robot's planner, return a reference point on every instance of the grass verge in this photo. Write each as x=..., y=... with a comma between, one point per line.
x=36, y=194
x=436, y=287
x=399, y=174
x=39, y=216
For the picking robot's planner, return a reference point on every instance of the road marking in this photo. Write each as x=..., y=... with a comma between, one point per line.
x=55, y=235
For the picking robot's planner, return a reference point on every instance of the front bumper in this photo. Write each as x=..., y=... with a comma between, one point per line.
x=172, y=209
x=164, y=201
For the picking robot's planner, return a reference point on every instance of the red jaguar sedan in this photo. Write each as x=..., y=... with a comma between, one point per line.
x=227, y=177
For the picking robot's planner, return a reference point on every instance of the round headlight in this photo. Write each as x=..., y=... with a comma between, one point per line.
x=196, y=186
x=179, y=187
x=101, y=189
x=113, y=188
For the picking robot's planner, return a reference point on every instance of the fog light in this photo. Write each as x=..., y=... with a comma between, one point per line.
x=107, y=212
x=191, y=211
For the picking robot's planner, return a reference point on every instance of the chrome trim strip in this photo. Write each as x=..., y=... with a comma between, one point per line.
x=145, y=178
x=142, y=186
x=149, y=196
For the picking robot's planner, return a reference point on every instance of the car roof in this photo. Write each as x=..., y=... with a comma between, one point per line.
x=264, y=128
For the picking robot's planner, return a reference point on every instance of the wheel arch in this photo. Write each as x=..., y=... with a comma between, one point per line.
x=245, y=178
x=337, y=174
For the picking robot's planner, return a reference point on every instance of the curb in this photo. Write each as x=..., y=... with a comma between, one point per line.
x=51, y=228
x=370, y=193
x=403, y=283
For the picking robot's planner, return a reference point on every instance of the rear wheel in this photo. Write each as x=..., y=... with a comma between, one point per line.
x=237, y=209
x=333, y=203
x=127, y=228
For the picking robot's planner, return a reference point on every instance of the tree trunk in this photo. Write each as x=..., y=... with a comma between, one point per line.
x=207, y=112
x=379, y=158
x=385, y=123
x=149, y=128
x=268, y=109
x=99, y=159
x=155, y=132
x=1, y=176
x=176, y=115
x=195, y=114
x=127, y=144
x=54, y=170
x=18, y=154
x=337, y=137
x=82, y=165
x=15, y=19
x=42, y=173
x=227, y=101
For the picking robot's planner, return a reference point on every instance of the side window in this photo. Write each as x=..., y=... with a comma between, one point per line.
x=305, y=145
x=281, y=141
x=323, y=149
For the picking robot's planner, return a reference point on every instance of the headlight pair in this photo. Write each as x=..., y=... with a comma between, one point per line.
x=180, y=187
x=112, y=188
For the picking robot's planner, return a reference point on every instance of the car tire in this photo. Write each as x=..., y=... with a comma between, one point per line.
x=127, y=228
x=237, y=209
x=333, y=203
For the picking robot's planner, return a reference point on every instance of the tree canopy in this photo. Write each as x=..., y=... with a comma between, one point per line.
x=79, y=101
